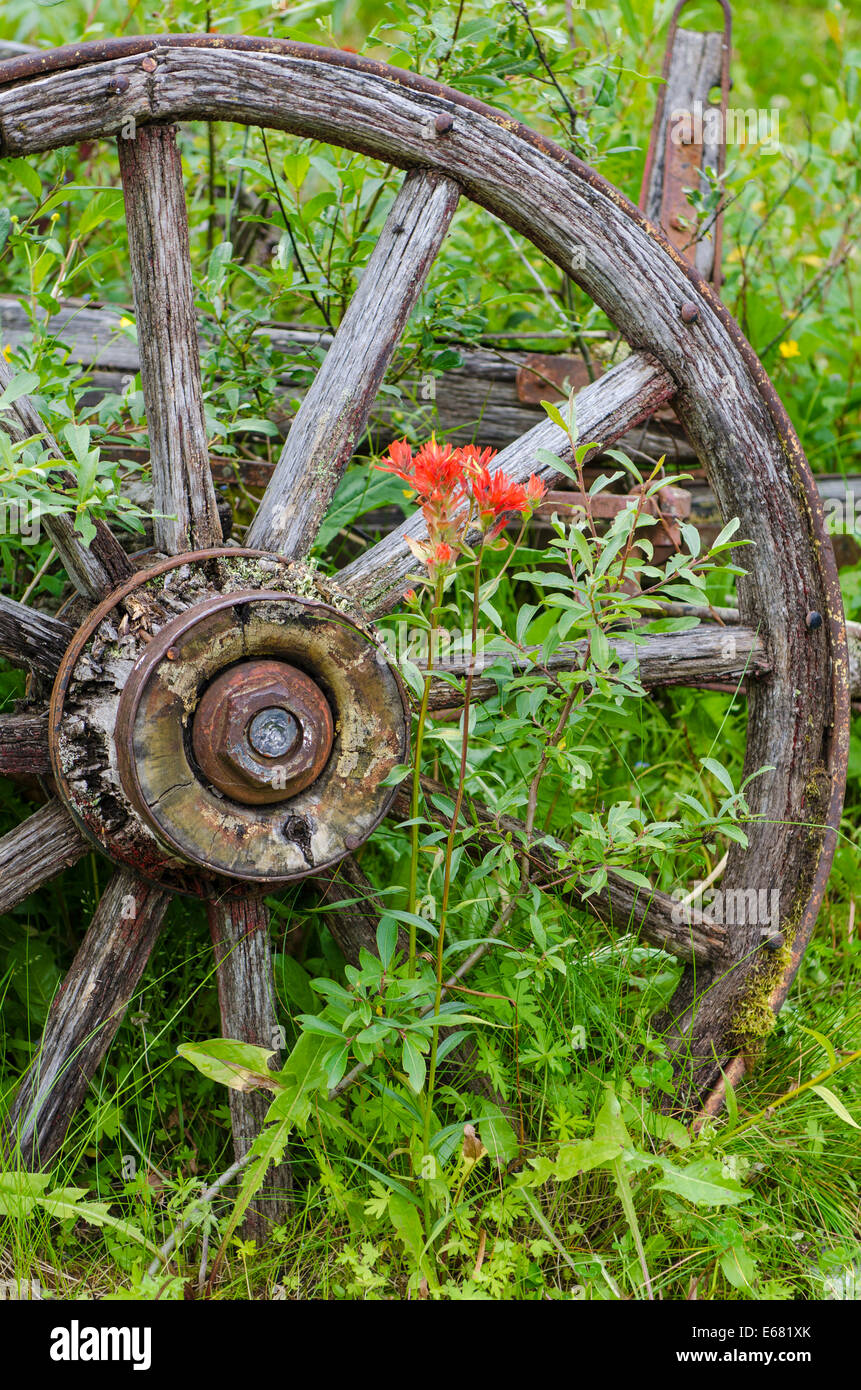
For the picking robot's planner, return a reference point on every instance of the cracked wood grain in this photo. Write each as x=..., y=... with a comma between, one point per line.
x=186, y=511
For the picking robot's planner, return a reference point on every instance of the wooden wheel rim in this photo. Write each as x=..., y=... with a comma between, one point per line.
x=798, y=717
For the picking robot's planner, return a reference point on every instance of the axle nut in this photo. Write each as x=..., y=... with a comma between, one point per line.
x=262, y=732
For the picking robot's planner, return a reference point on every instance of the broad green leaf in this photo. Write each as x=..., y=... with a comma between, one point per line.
x=719, y=771
x=584, y=1155
x=408, y=1227
x=702, y=1182
x=241, y=1066
x=387, y=939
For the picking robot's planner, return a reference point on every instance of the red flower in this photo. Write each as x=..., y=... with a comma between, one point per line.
x=535, y=490
x=475, y=459
x=435, y=473
x=496, y=497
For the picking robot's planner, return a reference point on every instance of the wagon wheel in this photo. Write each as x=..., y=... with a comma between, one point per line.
x=234, y=661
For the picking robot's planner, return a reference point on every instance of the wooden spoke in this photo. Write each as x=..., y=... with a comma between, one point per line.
x=622, y=905
x=605, y=410
x=24, y=745
x=85, y=1015
x=699, y=657
x=246, y=994
x=186, y=511
x=334, y=413
x=36, y=851
x=31, y=639
x=93, y=569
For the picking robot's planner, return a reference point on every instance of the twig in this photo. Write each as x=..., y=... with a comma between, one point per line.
x=207, y=1196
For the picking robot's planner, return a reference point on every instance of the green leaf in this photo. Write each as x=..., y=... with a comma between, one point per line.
x=387, y=939
x=702, y=1182
x=553, y=461
x=497, y=1136
x=414, y=1065
x=553, y=411
x=408, y=1227
x=720, y=772
x=585, y=1155
x=834, y=1103
x=823, y=1043
x=20, y=171
x=19, y=1192
x=241, y=1066
x=21, y=384
x=295, y=983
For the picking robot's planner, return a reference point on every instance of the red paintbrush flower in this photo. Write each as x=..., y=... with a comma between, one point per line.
x=535, y=490
x=496, y=498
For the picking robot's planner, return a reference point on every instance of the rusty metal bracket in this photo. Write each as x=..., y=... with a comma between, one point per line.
x=543, y=376
x=678, y=151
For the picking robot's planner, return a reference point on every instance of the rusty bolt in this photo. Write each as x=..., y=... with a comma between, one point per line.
x=444, y=122
x=149, y=64
x=118, y=84
x=813, y=619
x=690, y=313
x=262, y=732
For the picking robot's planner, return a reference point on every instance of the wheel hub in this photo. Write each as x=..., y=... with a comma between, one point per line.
x=262, y=732
x=246, y=738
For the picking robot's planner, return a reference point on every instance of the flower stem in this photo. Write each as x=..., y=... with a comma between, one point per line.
x=417, y=769
x=449, y=849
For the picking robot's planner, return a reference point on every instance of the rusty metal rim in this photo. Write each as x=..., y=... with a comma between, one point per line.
x=72, y=56
x=85, y=632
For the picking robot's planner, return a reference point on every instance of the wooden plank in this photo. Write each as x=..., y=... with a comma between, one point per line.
x=604, y=410
x=186, y=510
x=85, y=1016
x=24, y=745
x=477, y=401
x=36, y=851
x=334, y=413
x=701, y=656
x=32, y=639
x=246, y=994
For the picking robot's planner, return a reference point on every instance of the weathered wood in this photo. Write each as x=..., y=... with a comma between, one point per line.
x=333, y=415
x=32, y=639
x=186, y=510
x=93, y=569
x=84, y=1017
x=695, y=68
x=697, y=657
x=478, y=400
x=24, y=745
x=605, y=410
x=621, y=905
x=36, y=851
x=246, y=994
